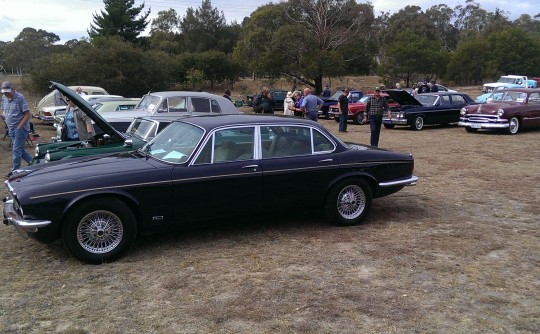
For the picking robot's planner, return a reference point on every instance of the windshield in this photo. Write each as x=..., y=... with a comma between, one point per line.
x=336, y=95
x=175, y=143
x=148, y=103
x=143, y=129
x=426, y=100
x=510, y=96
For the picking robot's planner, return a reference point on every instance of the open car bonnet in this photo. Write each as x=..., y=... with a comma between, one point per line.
x=402, y=97
x=87, y=109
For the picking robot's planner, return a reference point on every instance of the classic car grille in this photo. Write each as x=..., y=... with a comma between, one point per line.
x=481, y=118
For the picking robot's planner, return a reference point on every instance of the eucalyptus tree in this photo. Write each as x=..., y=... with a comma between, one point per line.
x=306, y=40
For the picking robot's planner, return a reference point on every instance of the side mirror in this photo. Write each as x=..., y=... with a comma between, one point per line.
x=128, y=143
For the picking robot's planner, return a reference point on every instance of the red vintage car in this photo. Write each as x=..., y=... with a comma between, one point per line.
x=511, y=110
x=356, y=110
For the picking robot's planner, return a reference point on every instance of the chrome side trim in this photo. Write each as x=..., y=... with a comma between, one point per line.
x=406, y=182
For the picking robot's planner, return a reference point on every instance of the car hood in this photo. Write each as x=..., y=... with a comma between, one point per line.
x=402, y=97
x=101, y=171
x=87, y=109
x=492, y=107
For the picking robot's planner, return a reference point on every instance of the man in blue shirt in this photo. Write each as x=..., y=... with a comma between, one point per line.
x=311, y=105
x=17, y=115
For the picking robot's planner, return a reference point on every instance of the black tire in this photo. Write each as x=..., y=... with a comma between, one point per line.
x=99, y=230
x=348, y=202
x=513, y=127
x=336, y=119
x=470, y=130
x=418, y=123
x=389, y=126
x=358, y=118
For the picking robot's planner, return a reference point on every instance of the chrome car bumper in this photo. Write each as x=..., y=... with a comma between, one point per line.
x=477, y=125
x=394, y=121
x=23, y=226
x=406, y=182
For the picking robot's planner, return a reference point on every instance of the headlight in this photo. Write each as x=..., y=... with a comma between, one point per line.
x=463, y=111
x=400, y=114
x=48, y=157
x=36, y=151
x=500, y=112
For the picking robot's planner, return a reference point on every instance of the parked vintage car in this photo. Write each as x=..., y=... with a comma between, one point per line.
x=356, y=109
x=172, y=104
x=200, y=171
x=512, y=109
x=49, y=104
x=114, y=104
x=278, y=95
x=425, y=109
x=106, y=140
x=354, y=96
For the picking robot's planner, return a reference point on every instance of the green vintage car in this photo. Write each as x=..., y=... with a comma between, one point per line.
x=106, y=140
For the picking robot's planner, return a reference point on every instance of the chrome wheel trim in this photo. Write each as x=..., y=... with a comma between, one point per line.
x=419, y=123
x=514, y=125
x=351, y=202
x=100, y=232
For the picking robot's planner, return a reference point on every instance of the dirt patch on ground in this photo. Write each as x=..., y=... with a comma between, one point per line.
x=458, y=253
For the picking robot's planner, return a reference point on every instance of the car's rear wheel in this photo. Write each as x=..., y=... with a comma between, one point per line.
x=358, y=118
x=99, y=230
x=336, y=118
x=389, y=126
x=513, y=127
x=471, y=130
x=418, y=123
x=348, y=202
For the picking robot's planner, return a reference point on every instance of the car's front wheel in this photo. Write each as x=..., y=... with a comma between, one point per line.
x=418, y=123
x=358, y=118
x=99, y=230
x=471, y=130
x=336, y=118
x=513, y=127
x=348, y=202
x=389, y=126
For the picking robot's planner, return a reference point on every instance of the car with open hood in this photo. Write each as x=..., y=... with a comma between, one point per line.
x=172, y=104
x=511, y=110
x=106, y=140
x=201, y=171
x=425, y=109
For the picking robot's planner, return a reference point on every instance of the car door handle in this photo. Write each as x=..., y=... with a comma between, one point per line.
x=251, y=166
x=326, y=160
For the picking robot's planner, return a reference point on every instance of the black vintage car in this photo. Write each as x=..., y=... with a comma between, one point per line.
x=200, y=171
x=426, y=109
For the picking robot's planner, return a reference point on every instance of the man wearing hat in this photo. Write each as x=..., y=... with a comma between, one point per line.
x=17, y=114
x=375, y=107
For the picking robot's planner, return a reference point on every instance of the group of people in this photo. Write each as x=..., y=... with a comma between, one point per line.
x=425, y=87
x=306, y=105
x=17, y=116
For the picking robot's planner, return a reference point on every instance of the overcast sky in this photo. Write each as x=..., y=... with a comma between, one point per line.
x=70, y=19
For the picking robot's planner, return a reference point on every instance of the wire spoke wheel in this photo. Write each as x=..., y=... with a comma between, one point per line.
x=100, y=232
x=351, y=202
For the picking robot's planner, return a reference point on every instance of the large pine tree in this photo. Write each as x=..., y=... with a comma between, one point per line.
x=119, y=19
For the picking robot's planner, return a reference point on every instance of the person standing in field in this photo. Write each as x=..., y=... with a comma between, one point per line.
x=375, y=107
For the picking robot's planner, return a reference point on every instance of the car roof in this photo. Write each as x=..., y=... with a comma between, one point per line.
x=212, y=121
x=523, y=90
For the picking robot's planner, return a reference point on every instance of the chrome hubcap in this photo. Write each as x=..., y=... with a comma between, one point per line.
x=351, y=202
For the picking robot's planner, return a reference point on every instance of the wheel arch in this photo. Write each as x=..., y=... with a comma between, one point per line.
x=129, y=200
x=369, y=179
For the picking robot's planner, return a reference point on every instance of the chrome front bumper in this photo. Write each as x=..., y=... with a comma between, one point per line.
x=394, y=121
x=23, y=226
x=406, y=182
x=477, y=125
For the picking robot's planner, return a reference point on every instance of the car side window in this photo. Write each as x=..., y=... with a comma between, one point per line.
x=177, y=104
x=321, y=144
x=231, y=144
x=445, y=100
x=215, y=106
x=284, y=141
x=534, y=98
x=458, y=99
x=200, y=105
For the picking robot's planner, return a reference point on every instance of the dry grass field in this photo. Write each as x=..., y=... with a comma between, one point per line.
x=457, y=253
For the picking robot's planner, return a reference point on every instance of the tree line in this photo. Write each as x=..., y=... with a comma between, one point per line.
x=301, y=40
